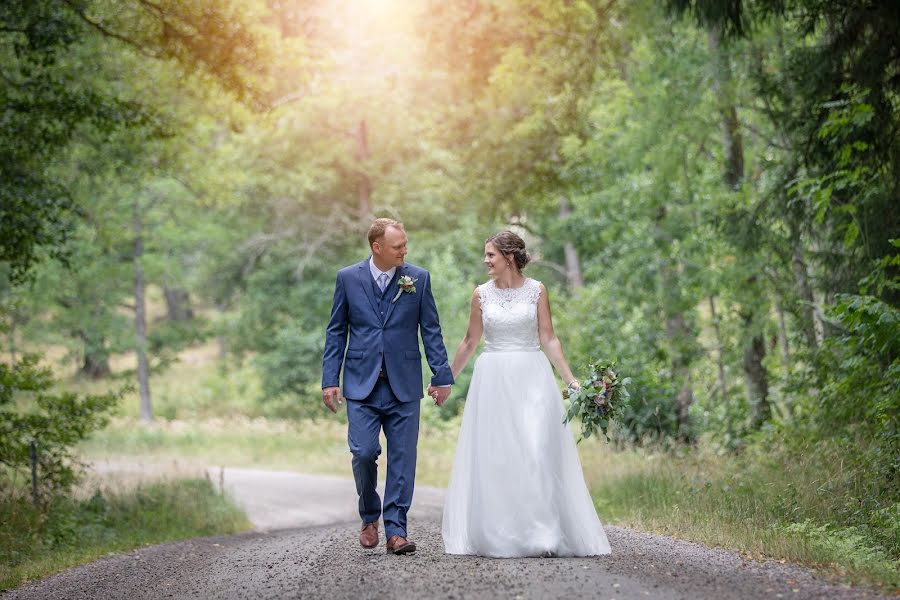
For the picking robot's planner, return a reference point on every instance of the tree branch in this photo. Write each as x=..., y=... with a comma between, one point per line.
x=108, y=32
x=764, y=137
x=344, y=132
x=152, y=6
x=185, y=185
x=552, y=265
x=287, y=98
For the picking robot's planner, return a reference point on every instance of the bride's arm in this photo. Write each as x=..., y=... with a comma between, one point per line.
x=470, y=340
x=549, y=341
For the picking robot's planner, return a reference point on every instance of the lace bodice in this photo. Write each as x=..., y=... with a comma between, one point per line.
x=510, y=317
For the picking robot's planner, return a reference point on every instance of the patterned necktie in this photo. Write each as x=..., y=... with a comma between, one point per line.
x=382, y=281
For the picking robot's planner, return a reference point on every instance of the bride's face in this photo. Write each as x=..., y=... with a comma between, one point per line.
x=494, y=260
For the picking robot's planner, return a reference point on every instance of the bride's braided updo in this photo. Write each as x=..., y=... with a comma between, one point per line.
x=511, y=246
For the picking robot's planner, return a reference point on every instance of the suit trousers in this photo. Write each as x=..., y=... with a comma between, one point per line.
x=400, y=421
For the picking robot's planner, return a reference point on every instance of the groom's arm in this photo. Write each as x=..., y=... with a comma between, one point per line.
x=430, y=329
x=335, y=337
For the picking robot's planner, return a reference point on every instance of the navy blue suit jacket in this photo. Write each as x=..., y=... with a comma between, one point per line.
x=390, y=342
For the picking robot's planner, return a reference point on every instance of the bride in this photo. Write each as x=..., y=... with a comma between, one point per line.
x=516, y=488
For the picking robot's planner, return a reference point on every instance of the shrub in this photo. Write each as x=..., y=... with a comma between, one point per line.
x=56, y=422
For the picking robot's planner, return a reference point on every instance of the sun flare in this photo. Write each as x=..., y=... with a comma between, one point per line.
x=374, y=39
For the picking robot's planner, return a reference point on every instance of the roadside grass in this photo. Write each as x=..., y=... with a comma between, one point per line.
x=69, y=532
x=211, y=413
x=196, y=386
x=308, y=446
x=763, y=508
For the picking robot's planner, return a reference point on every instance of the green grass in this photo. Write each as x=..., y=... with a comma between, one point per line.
x=197, y=386
x=69, y=532
x=764, y=508
x=308, y=446
x=213, y=414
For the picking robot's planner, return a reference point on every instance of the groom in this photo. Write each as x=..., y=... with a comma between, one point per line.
x=382, y=304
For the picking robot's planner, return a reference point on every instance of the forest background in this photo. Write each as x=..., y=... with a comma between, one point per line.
x=709, y=189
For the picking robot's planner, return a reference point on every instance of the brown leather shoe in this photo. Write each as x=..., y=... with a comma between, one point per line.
x=400, y=545
x=368, y=537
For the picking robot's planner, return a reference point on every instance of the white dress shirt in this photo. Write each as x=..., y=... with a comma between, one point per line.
x=376, y=272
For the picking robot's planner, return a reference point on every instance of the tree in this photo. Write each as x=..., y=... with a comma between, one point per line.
x=830, y=96
x=46, y=99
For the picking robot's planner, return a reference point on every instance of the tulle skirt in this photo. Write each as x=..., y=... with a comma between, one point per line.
x=517, y=488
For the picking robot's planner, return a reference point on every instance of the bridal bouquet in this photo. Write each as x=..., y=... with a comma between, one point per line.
x=602, y=398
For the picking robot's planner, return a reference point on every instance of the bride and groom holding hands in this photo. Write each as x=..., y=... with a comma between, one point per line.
x=516, y=488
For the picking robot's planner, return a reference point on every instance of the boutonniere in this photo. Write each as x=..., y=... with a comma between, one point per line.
x=406, y=284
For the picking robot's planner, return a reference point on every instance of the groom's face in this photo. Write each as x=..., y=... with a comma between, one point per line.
x=391, y=249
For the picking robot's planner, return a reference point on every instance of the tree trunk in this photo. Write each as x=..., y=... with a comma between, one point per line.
x=685, y=399
x=140, y=314
x=11, y=337
x=364, y=186
x=720, y=359
x=809, y=326
x=782, y=334
x=733, y=176
x=757, y=378
x=221, y=340
x=95, y=365
x=732, y=145
x=755, y=374
x=676, y=330
x=96, y=358
x=677, y=334
x=178, y=304
x=573, y=263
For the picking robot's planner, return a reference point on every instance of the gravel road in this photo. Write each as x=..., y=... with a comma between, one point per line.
x=319, y=557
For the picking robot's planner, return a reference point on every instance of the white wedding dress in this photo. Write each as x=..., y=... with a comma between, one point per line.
x=517, y=488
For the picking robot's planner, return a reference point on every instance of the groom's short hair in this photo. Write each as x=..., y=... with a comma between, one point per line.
x=379, y=226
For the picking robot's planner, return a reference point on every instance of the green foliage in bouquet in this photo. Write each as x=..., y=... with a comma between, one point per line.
x=602, y=398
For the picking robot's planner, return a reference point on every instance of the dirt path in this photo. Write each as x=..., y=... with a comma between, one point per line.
x=319, y=557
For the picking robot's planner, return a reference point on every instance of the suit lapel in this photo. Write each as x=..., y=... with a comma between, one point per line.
x=365, y=280
x=391, y=290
